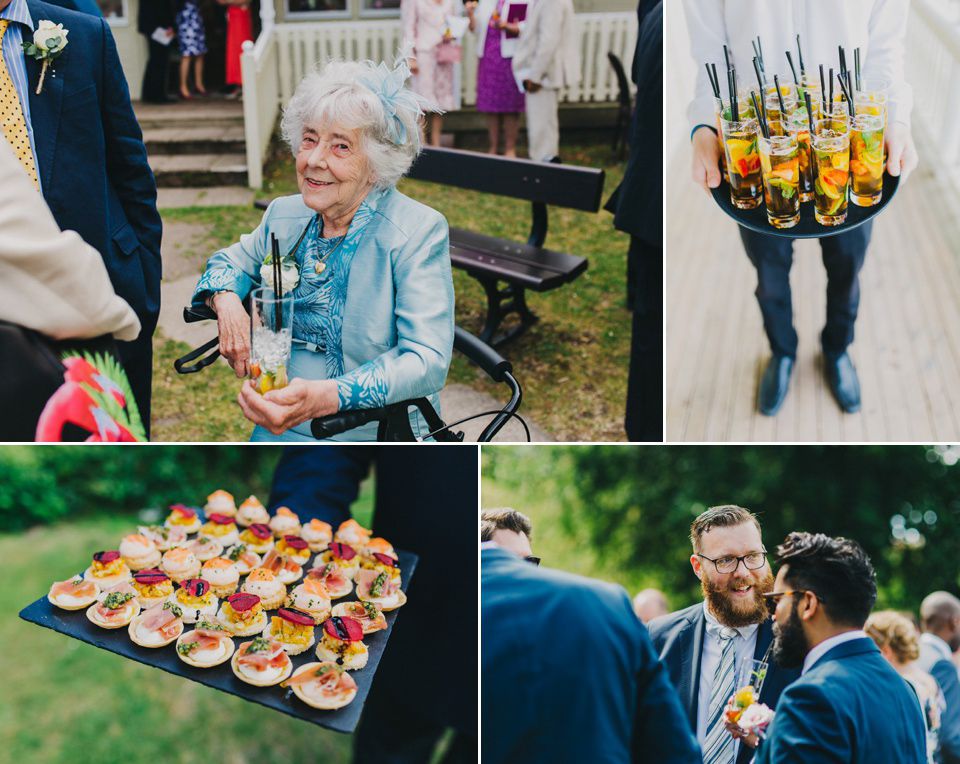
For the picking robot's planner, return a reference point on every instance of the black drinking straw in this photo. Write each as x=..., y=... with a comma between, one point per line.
x=716, y=80
x=843, y=58
x=790, y=61
x=831, y=85
x=732, y=87
x=806, y=97
x=756, y=68
x=755, y=51
x=276, y=280
x=760, y=118
x=783, y=109
x=800, y=55
x=713, y=85
x=856, y=66
x=760, y=55
x=726, y=56
x=843, y=86
x=823, y=89
x=849, y=85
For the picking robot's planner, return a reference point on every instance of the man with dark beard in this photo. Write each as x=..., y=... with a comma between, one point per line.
x=940, y=623
x=849, y=704
x=704, y=645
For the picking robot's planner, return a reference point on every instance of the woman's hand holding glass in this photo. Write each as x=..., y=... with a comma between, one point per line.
x=279, y=410
x=233, y=329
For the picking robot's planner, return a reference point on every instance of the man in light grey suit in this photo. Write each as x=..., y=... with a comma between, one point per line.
x=546, y=59
x=940, y=624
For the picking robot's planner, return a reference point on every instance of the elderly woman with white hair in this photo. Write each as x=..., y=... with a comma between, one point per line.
x=373, y=310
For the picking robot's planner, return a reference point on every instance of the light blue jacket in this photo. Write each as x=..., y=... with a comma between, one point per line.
x=379, y=319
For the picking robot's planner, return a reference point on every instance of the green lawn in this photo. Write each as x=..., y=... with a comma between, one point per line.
x=572, y=364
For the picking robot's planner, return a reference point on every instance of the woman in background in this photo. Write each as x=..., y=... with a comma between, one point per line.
x=239, y=30
x=497, y=92
x=193, y=45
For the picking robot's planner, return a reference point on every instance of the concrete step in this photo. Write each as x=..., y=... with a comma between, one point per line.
x=200, y=139
x=191, y=170
x=210, y=112
x=209, y=196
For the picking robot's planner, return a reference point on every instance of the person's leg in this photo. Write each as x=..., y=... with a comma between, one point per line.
x=155, y=75
x=198, y=74
x=843, y=257
x=184, y=70
x=772, y=256
x=436, y=127
x=493, y=132
x=511, y=127
x=644, y=415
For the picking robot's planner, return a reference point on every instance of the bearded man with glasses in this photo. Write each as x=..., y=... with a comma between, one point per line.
x=704, y=645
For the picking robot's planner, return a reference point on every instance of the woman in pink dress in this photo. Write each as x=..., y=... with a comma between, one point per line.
x=425, y=24
x=239, y=30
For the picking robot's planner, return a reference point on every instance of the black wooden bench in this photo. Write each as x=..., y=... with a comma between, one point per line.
x=493, y=261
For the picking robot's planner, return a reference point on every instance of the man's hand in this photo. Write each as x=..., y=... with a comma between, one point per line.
x=530, y=86
x=738, y=733
x=233, y=329
x=279, y=410
x=901, y=153
x=706, y=156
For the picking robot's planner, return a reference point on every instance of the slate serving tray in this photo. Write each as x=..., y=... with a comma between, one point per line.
x=807, y=227
x=74, y=623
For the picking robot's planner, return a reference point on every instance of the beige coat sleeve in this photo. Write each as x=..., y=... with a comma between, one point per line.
x=52, y=281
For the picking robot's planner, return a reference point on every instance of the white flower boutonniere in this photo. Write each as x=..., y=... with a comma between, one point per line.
x=289, y=273
x=49, y=40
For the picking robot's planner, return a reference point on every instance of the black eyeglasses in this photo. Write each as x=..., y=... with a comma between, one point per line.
x=752, y=561
x=772, y=598
x=533, y=560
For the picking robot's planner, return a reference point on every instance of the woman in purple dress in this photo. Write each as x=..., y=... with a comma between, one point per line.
x=497, y=92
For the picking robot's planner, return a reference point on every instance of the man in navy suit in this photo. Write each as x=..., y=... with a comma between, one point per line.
x=849, y=704
x=940, y=623
x=91, y=162
x=568, y=672
x=731, y=562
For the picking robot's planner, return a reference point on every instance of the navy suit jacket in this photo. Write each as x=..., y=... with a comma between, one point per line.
x=92, y=161
x=678, y=639
x=946, y=675
x=851, y=707
x=568, y=673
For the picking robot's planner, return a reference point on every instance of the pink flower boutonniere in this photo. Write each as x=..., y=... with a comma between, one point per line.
x=49, y=40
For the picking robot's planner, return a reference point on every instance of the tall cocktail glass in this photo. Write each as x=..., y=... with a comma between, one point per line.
x=831, y=152
x=866, y=159
x=271, y=338
x=743, y=162
x=781, y=173
x=798, y=126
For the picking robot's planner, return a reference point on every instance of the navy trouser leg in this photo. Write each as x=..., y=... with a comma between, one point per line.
x=843, y=257
x=772, y=256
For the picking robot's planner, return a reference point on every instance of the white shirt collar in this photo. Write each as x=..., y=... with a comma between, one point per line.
x=937, y=644
x=820, y=650
x=714, y=626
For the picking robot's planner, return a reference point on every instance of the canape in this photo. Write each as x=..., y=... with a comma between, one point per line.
x=291, y=628
x=285, y=568
x=311, y=597
x=317, y=534
x=382, y=563
x=180, y=563
x=284, y=522
x=294, y=547
x=242, y=614
x=374, y=546
x=73, y=594
x=157, y=626
x=115, y=611
x=368, y=614
x=342, y=642
x=163, y=537
x=207, y=645
x=243, y=557
x=139, y=552
x=205, y=547
x=107, y=569
x=222, y=574
x=196, y=599
x=344, y=556
x=322, y=685
x=152, y=586
x=220, y=502
x=222, y=528
x=258, y=538
x=333, y=578
x=252, y=511
x=266, y=586
x=184, y=517
x=380, y=588
x=261, y=662
x=352, y=533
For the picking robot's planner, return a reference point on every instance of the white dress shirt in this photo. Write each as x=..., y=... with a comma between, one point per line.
x=932, y=640
x=877, y=27
x=828, y=644
x=744, y=645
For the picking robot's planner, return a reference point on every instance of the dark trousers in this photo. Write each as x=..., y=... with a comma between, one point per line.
x=644, y=417
x=137, y=360
x=155, y=75
x=843, y=256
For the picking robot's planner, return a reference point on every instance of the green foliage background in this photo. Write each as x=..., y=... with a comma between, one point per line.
x=623, y=512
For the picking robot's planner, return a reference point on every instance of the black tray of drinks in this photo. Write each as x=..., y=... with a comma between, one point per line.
x=807, y=227
x=74, y=623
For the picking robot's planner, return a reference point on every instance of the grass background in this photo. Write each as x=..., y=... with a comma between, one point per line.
x=572, y=364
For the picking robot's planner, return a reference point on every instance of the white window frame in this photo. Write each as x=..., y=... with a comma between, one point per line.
x=123, y=21
x=343, y=15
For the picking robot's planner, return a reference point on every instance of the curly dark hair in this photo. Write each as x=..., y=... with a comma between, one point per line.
x=837, y=569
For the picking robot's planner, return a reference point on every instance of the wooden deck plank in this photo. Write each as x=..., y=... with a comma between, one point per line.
x=907, y=346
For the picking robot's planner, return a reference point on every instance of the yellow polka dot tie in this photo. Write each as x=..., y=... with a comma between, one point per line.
x=11, y=115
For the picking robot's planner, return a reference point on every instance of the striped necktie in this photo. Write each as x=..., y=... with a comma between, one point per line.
x=11, y=115
x=718, y=745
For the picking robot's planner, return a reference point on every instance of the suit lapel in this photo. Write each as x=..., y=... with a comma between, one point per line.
x=690, y=676
x=45, y=108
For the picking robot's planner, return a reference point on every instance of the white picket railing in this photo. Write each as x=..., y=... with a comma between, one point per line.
x=285, y=52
